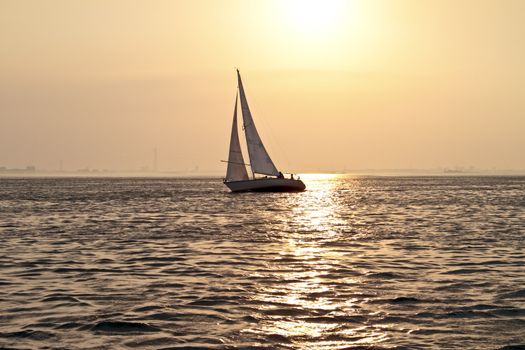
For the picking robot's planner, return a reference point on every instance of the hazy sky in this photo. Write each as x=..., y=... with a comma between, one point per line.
x=331, y=84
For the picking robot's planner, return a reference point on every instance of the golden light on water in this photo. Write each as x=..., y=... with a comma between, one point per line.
x=320, y=176
x=317, y=208
x=304, y=303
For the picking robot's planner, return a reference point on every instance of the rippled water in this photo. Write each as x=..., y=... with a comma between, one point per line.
x=353, y=262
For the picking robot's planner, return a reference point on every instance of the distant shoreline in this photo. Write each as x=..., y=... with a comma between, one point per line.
x=392, y=173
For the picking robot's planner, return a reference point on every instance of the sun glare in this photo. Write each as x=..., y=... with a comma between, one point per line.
x=321, y=33
x=314, y=17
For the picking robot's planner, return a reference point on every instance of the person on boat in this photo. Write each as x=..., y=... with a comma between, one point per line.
x=291, y=176
x=280, y=176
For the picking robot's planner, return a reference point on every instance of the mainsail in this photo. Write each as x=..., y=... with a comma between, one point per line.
x=260, y=161
x=236, y=168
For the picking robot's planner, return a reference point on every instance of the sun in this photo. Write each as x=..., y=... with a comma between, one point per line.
x=320, y=34
x=314, y=17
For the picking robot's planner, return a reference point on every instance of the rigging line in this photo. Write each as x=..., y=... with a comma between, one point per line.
x=227, y=161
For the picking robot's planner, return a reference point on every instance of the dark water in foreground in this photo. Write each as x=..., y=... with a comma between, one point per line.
x=353, y=263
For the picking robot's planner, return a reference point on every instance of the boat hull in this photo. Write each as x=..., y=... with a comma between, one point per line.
x=266, y=185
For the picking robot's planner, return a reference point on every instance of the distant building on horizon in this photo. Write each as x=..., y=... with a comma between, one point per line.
x=28, y=169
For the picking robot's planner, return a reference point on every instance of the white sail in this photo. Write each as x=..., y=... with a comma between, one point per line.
x=260, y=161
x=236, y=168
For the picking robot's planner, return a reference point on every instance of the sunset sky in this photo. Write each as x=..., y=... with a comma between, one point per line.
x=332, y=84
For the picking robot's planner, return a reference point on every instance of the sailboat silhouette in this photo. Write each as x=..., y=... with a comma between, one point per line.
x=237, y=178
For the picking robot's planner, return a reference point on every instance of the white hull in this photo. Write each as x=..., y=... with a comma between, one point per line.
x=266, y=185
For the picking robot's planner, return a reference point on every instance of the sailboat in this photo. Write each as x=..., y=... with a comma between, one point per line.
x=269, y=179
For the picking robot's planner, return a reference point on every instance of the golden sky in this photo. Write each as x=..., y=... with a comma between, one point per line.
x=332, y=84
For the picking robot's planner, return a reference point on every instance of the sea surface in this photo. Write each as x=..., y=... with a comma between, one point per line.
x=181, y=263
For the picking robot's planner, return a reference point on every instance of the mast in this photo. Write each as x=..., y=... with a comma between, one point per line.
x=260, y=160
x=236, y=170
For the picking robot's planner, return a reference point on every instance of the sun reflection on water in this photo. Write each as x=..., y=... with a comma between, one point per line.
x=317, y=208
x=303, y=304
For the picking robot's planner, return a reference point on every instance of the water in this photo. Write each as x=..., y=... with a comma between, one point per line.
x=353, y=263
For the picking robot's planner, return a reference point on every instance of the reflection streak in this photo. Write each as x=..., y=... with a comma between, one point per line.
x=299, y=304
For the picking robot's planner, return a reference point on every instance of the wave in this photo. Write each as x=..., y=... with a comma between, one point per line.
x=123, y=327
